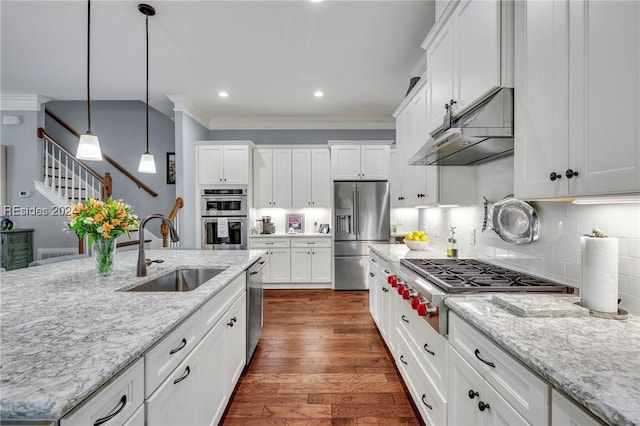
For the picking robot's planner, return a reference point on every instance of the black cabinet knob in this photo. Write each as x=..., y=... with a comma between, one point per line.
x=473, y=394
x=571, y=173
x=555, y=176
x=482, y=406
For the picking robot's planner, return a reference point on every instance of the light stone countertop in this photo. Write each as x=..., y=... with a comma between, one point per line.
x=393, y=253
x=593, y=360
x=287, y=235
x=64, y=332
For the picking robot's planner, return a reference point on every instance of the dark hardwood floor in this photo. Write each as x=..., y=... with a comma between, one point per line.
x=320, y=361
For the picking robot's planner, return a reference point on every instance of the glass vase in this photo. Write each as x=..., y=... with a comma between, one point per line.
x=103, y=252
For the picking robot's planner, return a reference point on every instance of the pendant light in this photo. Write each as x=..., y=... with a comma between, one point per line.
x=147, y=162
x=88, y=145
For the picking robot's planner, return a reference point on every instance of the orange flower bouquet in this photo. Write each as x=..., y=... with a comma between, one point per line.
x=103, y=221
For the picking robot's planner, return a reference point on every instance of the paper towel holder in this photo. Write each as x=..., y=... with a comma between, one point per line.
x=620, y=315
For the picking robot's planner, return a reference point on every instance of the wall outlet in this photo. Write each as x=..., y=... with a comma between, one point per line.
x=436, y=230
x=472, y=236
x=24, y=194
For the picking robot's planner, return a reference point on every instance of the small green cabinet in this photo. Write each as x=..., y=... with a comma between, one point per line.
x=17, y=248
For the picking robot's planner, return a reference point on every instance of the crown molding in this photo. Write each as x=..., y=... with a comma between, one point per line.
x=22, y=102
x=181, y=104
x=301, y=123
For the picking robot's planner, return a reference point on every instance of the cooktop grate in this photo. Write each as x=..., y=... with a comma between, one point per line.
x=471, y=275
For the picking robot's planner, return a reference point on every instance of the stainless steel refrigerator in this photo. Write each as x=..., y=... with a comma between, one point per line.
x=361, y=218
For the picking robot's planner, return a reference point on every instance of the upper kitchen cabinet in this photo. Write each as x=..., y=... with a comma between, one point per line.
x=272, y=177
x=469, y=54
x=310, y=172
x=360, y=162
x=223, y=164
x=577, y=111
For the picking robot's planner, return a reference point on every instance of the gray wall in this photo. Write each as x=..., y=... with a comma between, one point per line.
x=121, y=128
x=275, y=137
x=24, y=165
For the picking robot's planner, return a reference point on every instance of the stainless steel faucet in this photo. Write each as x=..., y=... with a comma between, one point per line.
x=141, y=270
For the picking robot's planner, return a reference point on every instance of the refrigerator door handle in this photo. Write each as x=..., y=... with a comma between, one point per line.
x=356, y=212
x=358, y=206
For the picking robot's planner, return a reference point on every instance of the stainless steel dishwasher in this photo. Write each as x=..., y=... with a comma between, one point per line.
x=254, y=305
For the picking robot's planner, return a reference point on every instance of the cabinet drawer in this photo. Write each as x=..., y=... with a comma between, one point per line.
x=213, y=309
x=429, y=346
x=137, y=419
x=168, y=353
x=527, y=392
x=261, y=243
x=311, y=242
x=430, y=403
x=119, y=398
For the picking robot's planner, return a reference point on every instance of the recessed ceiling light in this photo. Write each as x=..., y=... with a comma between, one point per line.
x=223, y=94
x=318, y=94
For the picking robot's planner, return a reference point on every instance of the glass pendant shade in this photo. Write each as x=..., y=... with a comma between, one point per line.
x=147, y=163
x=89, y=148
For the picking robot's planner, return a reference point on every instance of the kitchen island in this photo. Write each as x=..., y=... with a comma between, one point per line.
x=66, y=332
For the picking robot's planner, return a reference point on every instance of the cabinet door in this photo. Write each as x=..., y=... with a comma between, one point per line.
x=398, y=181
x=320, y=178
x=463, y=382
x=415, y=175
x=345, y=162
x=374, y=162
x=262, y=177
x=301, y=177
x=280, y=261
x=384, y=294
x=477, y=32
x=211, y=389
x=321, y=265
x=281, y=170
x=301, y=265
x=565, y=412
x=541, y=107
x=603, y=97
x=236, y=323
x=374, y=294
x=395, y=186
x=440, y=74
x=210, y=165
x=236, y=165
x=500, y=412
x=174, y=402
x=266, y=271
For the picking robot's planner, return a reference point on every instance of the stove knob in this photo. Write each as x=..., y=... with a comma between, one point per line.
x=408, y=293
x=432, y=310
x=422, y=309
x=394, y=282
x=400, y=289
x=389, y=279
x=416, y=302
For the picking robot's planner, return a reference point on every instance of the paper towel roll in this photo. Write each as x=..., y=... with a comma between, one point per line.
x=599, y=291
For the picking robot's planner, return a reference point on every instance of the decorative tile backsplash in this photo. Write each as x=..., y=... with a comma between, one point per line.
x=556, y=255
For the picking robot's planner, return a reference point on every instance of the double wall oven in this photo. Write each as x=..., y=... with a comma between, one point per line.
x=224, y=218
x=425, y=283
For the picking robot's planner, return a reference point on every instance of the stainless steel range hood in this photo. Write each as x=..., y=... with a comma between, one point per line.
x=483, y=133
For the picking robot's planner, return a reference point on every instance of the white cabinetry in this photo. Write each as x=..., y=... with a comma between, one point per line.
x=565, y=412
x=468, y=56
x=311, y=260
x=360, y=162
x=577, y=111
x=115, y=403
x=272, y=177
x=310, y=173
x=223, y=164
x=478, y=368
x=278, y=268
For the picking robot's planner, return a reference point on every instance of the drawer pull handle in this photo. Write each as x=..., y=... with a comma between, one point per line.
x=234, y=319
x=403, y=361
x=123, y=403
x=184, y=376
x=230, y=323
x=371, y=274
x=473, y=394
x=179, y=348
x=426, y=348
x=386, y=290
x=310, y=243
x=489, y=363
x=404, y=319
x=373, y=260
x=387, y=272
x=482, y=406
x=425, y=402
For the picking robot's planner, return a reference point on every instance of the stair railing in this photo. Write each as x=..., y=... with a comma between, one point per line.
x=173, y=216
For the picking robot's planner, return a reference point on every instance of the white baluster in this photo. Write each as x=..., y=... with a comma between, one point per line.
x=46, y=162
x=74, y=196
x=59, y=172
x=66, y=177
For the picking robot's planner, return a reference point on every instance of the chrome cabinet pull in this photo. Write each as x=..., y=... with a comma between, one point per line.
x=123, y=403
x=179, y=348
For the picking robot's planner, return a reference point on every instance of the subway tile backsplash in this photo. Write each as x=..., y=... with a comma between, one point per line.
x=556, y=255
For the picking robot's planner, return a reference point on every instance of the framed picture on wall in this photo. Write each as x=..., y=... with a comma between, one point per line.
x=171, y=168
x=295, y=223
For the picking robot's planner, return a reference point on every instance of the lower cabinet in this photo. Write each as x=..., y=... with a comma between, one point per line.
x=565, y=412
x=278, y=250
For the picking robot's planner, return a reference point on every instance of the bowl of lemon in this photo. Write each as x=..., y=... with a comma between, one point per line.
x=416, y=240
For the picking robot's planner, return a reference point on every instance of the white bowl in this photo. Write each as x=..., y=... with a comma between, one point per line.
x=416, y=245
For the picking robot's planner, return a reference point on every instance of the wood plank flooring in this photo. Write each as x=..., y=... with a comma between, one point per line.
x=320, y=361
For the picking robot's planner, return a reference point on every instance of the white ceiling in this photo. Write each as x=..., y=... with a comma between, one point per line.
x=270, y=56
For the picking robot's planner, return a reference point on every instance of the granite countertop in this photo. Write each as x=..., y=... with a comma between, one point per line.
x=395, y=252
x=287, y=235
x=593, y=360
x=64, y=332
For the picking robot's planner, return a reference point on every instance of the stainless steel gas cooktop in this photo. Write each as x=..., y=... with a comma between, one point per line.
x=470, y=275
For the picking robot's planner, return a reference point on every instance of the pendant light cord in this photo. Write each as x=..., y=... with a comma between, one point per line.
x=147, y=31
x=88, y=65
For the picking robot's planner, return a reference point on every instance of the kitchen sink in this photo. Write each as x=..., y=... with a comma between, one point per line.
x=179, y=280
